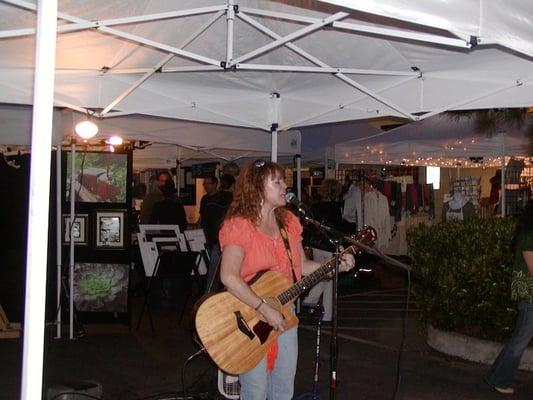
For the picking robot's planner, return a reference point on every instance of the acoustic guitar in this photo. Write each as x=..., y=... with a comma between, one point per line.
x=233, y=333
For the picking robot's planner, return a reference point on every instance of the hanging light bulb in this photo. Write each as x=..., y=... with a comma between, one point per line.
x=86, y=129
x=115, y=140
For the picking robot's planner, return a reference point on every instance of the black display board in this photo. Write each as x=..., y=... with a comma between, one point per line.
x=103, y=196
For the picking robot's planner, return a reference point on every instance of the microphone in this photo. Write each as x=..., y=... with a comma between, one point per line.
x=291, y=198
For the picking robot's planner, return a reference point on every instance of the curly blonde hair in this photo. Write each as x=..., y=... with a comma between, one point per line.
x=249, y=191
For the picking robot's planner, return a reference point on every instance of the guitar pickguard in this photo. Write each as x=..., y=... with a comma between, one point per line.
x=243, y=326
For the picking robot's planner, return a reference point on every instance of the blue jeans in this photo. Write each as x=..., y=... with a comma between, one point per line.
x=259, y=384
x=503, y=370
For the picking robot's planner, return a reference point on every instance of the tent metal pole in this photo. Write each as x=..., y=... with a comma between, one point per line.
x=126, y=35
x=366, y=28
x=59, y=224
x=512, y=84
x=72, y=193
x=39, y=201
x=230, y=16
x=158, y=66
x=503, y=202
x=290, y=37
x=282, y=41
x=76, y=26
x=274, y=138
x=178, y=173
x=299, y=176
x=322, y=70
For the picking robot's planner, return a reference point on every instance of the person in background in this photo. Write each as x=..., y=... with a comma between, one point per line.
x=173, y=281
x=502, y=372
x=153, y=197
x=251, y=242
x=139, y=193
x=328, y=212
x=169, y=211
x=223, y=201
x=209, y=210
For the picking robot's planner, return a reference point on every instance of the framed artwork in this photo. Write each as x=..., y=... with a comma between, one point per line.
x=78, y=228
x=101, y=287
x=98, y=177
x=110, y=229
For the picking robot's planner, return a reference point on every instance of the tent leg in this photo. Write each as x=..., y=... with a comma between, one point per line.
x=299, y=176
x=71, y=258
x=274, y=156
x=39, y=193
x=59, y=224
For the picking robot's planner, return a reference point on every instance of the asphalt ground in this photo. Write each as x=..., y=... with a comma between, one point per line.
x=382, y=354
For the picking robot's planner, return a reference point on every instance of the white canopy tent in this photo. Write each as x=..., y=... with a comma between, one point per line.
x=437, y=141
x=270, y=65
x=172, y=140
x=275, y=64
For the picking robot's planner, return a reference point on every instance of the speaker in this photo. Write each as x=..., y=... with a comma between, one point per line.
x=75, y=391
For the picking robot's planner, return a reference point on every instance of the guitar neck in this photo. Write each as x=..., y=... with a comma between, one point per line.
x=309, y=280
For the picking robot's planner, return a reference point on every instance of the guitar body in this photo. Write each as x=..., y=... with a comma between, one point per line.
x=232, y=332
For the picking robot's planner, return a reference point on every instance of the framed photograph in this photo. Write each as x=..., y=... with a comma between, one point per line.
x=78, y=228
x=110, y=229
x=98, y=177
x=101, y=287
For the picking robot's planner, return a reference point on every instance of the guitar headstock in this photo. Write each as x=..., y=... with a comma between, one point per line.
x=367, y=235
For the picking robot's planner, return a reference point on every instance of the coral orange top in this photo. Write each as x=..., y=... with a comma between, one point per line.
x=261, y=251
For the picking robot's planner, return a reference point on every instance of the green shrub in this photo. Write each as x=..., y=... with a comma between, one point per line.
x=465, y=268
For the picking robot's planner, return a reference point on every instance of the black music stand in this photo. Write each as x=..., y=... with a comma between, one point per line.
x=176, y=266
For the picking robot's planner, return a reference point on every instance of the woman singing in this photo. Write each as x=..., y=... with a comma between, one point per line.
x=251, y=242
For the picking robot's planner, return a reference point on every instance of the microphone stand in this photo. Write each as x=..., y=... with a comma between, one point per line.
x=334, y=346
x=335, y=236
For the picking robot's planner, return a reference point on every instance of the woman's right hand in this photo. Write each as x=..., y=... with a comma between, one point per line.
x=272, y=316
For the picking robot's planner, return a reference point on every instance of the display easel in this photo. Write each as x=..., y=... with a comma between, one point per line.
x=178, y=258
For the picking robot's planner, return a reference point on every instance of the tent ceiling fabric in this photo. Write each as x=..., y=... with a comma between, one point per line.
x=326, y=65
x=172, y=139
x=505, y=23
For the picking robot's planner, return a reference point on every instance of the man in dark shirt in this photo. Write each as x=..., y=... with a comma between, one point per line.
x=169, y=211
x=153, y=197
x=212, y=212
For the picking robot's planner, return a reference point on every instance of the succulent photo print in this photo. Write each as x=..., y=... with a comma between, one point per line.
x=101, y=287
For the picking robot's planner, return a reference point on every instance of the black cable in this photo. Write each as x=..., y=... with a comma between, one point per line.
x=402, y=342
x=156, y=396
x=183, y=389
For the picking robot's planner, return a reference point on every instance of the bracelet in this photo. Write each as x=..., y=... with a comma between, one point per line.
x=259, y=305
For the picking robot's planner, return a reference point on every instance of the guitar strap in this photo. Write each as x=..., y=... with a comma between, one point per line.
x=285, y=237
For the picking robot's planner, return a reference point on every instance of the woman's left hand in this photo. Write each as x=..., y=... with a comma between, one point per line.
x=347, y=262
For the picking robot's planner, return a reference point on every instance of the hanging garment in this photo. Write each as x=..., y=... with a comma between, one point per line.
x=376, y=214
x=352, y=211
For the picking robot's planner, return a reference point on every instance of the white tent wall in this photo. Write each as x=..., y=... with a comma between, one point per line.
x=16, y=122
